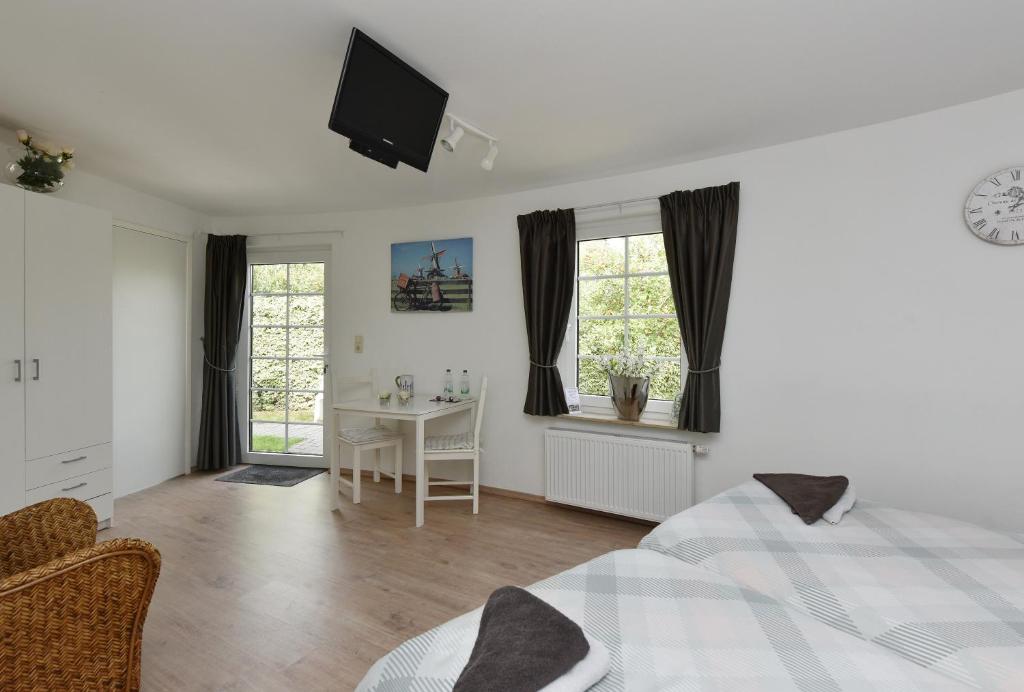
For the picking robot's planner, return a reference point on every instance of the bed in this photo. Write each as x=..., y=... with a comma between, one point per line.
x=738, y=594
x=941, y=593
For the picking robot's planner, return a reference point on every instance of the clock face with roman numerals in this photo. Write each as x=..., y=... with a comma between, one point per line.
x=995, y=209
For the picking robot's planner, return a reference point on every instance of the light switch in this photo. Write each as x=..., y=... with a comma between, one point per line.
x=359, y=343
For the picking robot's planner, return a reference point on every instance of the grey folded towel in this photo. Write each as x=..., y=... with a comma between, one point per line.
x=523, y=644
x=808, y=496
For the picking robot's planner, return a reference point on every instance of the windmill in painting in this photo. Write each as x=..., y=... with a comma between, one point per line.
x=432, y=276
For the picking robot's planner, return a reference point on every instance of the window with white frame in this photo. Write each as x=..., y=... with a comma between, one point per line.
x=624, y=301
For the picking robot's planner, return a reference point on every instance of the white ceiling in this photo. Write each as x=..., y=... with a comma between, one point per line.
x=222, y=105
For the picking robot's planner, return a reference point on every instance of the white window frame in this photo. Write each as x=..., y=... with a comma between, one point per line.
x=613, y=223
x=243, y=375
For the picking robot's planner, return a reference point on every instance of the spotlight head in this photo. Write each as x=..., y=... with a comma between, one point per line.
x=452, y=140
x=492, y=153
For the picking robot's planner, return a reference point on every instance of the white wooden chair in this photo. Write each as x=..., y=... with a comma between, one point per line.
x=457, y=447
x=360, y=440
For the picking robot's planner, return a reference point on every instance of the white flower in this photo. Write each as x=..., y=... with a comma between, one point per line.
x=67, y=165
x=626, y=364
x=68, y=152
x=22, y=136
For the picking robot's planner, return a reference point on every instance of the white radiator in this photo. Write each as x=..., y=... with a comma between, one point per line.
x=633, y=476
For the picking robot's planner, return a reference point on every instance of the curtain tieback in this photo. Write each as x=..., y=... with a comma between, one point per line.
x=539, y=365
x=218, y=368
x=215, y=367
x=703, y=372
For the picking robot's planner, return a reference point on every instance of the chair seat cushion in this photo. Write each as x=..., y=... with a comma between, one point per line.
x=438, y=443
x=362, y=436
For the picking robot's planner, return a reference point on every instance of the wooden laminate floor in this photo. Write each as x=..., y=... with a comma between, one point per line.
x=266, y=588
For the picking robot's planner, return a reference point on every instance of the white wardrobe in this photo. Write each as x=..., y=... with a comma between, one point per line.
x=56, y=349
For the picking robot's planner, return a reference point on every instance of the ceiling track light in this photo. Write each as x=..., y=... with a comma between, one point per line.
x=452, y=140
x=458, y=128
x=492, y=153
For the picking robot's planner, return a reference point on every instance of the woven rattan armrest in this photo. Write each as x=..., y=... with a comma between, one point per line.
x=76, y=622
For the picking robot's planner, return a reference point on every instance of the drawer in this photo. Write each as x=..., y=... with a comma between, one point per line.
x=61, y=467
x=80, y=487
x=103, y=506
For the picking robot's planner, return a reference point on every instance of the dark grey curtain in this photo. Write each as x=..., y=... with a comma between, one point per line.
x=220, y=444
x=547, y=248
x=700, y=241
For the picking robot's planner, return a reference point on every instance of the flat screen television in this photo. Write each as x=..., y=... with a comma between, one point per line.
x=390, y=112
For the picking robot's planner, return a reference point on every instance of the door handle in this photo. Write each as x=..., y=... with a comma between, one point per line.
x=74, y=487
x=17, y=364
x=35, y=362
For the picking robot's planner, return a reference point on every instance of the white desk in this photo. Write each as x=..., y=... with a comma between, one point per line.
x=419, y=409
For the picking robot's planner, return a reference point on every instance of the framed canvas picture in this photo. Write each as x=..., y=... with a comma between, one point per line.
x=432, y=276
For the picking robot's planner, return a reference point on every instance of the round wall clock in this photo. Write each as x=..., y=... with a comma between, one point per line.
x=995, y=208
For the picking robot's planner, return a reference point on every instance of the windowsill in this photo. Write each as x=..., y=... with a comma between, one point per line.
x=644, y=422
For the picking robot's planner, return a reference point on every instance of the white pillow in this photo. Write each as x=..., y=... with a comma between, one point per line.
x=842, y=506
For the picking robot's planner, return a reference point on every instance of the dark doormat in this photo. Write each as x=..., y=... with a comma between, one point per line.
x=260, y=474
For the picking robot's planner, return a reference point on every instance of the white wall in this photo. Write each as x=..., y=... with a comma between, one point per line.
x=125, y=203
x=149, y=359
x=869, y=332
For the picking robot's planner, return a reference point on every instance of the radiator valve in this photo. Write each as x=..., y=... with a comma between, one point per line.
x=701, y=451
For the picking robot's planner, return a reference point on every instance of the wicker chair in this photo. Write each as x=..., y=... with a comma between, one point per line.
x=71, y=610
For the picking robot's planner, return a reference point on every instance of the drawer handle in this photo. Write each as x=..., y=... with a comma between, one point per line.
x=71, y=461
x=74, y=487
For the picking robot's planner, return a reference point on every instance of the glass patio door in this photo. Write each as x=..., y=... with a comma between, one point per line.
x=287, y=356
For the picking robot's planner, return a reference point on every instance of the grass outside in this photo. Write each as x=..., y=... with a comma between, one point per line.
x=277, y=416
x=272, y=443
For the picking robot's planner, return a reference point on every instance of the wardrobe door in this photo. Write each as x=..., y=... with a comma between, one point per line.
x=12, y=348
x=68, y=326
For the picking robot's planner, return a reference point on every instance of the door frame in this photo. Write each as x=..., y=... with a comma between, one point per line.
x=290, y=255
x=187, y=375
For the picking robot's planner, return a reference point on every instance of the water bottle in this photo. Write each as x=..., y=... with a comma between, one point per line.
x=449, y=387
x=464, y=383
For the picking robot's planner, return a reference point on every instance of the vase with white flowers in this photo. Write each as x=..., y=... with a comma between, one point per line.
x=629, y=376
x=39, y=166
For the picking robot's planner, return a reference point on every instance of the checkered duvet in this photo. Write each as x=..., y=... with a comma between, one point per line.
x=670, y=626
x=944, y=594
x=737, y=593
